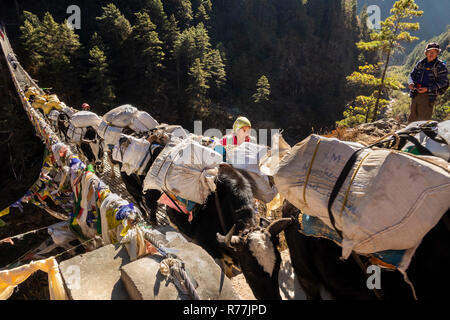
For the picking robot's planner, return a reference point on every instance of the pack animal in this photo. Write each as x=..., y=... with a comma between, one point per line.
x=90, y=146
x=233, y=204
x=317, y=264
x=147, y=202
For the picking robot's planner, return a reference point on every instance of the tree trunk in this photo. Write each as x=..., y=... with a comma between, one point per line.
x=380, y=90
x=391, y=44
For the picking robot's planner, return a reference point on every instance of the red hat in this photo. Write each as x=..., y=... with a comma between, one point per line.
x=85, y=106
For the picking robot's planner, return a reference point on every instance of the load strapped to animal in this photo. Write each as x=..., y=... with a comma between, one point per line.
x=186, y=169
x=125, y=116
x=376, y=199
x=425, y=138
x=133, y=153
x=246, y=157
x=79, y=123
x=44, y=102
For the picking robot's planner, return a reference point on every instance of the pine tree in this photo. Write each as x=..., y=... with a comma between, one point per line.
x=147, y=43
x=194, y=44
x=101, y=88
x=114, y=27
x=182, y=9
x=97, y=41
x=198, y=85
x=262, y=90
x=202, y=14
x=51, y=47
x=215, y=67
x=148, y=56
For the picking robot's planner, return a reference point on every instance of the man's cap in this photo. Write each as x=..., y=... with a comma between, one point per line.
x=240, y=123
x=433, y=46
x=85, y=106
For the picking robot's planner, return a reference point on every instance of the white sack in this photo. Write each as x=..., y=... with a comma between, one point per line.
x=117, y=153
x=112, y=135
x=136, y=155
x=75, y=134
x=142, y=122
x=121, y=116
x=53, y=115
x=101, y=129
x=246, y=157
x=394, y=200
x=438, y=149
x=186, y=169
x=83, y=119
x=67, y=110
x=444, y=130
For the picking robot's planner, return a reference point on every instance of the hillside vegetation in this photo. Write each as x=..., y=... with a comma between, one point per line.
x=183, y=60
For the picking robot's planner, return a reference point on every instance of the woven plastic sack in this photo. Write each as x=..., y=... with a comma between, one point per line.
x=246, y=157
x=83, y=119
x=136, y=155
x=440, y=145
x=121, y=116
x=53, y=115
x=75, y=134
x=117, y=153
x=142, y=122
x=388, y=201
x=67, y=110
x=186, y=169
x=112, y=135
x=101, y=129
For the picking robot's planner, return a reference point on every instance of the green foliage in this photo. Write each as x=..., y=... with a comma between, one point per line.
x=114, y=26
x=100, y=83
x=194, y=56
x=442, y=107
x=198, y=84
x=394, y=31
x=358, y=112
x=147, y=42
x=182, y=9
x=400, y=106
x=262, y=90
x=203, y=12
x=182, y=60
x=51, y=48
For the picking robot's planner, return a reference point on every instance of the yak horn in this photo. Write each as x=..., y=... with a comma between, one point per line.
x=279, y=225
x=229, y=236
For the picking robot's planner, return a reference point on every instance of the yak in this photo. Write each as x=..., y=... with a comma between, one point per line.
x=232, y=203
x=90, y=146
x=317, y=264
x=258, y=256
x=319, y=269
x=147, y=202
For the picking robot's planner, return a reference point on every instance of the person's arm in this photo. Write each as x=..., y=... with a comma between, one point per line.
x=414, y=76
x=442, y=80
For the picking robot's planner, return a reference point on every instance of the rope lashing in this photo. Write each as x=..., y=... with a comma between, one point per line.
x=173, y=267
